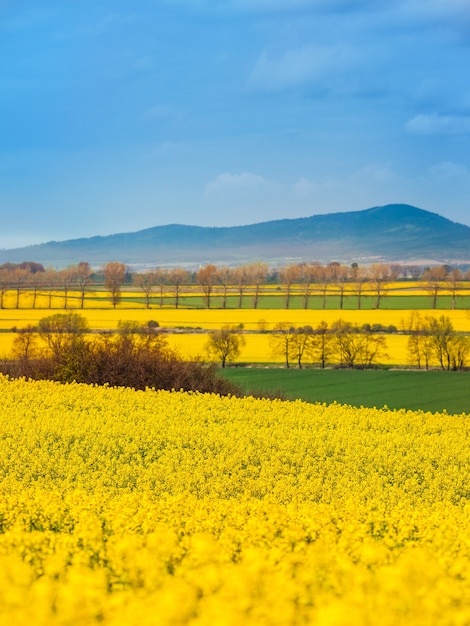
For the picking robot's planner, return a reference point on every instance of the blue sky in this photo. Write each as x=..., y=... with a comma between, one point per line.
x=118, y=115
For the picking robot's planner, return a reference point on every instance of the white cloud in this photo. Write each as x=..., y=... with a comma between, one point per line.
x=304, y=186
x=300, y=65
x=244, y=181
x=435, y=124
x=374, y=174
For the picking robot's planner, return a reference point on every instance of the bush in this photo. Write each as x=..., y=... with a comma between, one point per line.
x=136, y=357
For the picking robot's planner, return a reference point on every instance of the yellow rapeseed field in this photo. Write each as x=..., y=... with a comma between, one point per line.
x=126, y=508
x=257, y=348
x=251, y=319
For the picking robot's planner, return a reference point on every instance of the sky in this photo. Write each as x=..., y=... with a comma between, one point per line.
x=119, y=115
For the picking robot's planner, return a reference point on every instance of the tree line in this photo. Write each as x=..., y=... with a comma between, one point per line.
x=431, y=341
x=303, y=280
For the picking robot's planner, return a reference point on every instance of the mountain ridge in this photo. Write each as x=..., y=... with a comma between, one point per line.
x=394, y=232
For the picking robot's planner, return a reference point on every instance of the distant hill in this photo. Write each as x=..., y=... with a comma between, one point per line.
x=395, y=232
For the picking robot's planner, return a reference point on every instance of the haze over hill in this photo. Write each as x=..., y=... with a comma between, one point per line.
x=395, y=232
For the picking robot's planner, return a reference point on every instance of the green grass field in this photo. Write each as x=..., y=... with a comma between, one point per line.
x=269, y=302
x=415, y=390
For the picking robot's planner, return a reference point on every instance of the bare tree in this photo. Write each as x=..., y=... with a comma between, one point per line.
x=300, y=343
x=84, y=275
x=5, y=285
x=359, y=276
x=435, y=277
x=289, y=276
x=161, y=279
x=206, y=277
x=114, y=277
x=419, y=340
x=51, y=282
x=25, y=343
x=241, y=276
x=341, y=280
x=307, y=278
x=454, y=277
x=35, y=282
x=225, y=344
x=225, y=278
x=323, y=279
x=281, y=340
x=380, y=276
x=258, y=272
x=373, y=348
x=144, y=281
x=347, y=342
x=320, y=348
x=460, y=352
x=178, y=277
x=434, y=338
x=356, y=347
x=415, y=271
x=66, y=278
x=442, y=335
x=19, y=278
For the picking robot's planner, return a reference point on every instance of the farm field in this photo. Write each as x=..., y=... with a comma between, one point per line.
x=190, y=339
x=251, y=319
x=257, y=348
x=136, y=508
x=397, y=296
x=415, y=390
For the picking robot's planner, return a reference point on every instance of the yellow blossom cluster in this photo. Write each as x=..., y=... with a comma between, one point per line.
x=127, y=508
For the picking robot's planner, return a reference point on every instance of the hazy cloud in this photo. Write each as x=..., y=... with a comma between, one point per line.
x=376, y=174
x=244, y=181
x=109, y=21
x=272, y=6
x=448, y=171
x=435, y=124
x=300, y=65
x=451, y=8
x=304, y=186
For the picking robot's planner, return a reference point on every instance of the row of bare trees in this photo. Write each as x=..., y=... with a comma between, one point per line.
x=340, y=343
x=303, y=280
x=435, y=341
x=431, y=342
x=39, y=281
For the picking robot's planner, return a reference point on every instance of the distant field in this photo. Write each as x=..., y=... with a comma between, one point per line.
x=251, y=319
x=415, y=390
x=398, y=296
x=257, y=348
